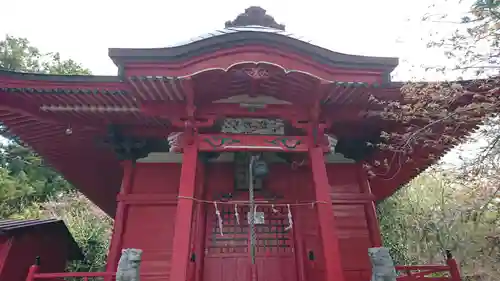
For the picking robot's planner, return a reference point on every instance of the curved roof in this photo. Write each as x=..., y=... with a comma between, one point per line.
x=229, y=30
x=246, y=36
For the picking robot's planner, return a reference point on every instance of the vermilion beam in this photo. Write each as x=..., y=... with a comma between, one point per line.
x=228, y=142
x=178, y=110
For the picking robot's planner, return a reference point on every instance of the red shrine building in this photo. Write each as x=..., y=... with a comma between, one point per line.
x=24, y=241
x=235, y=156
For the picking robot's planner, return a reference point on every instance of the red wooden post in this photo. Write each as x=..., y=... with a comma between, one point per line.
x=184, y=214
x=120, y=217
x=199, y=240
x=31, y=273
x=370, y=210
x=33, y=270
x=327, y=225
x=299, y=245
x=452, y=263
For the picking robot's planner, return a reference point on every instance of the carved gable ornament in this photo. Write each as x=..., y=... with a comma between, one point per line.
x=254, y=16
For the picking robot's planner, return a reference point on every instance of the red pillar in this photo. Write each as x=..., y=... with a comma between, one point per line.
x=327, y=225
x=370, y=210
x=201, y=216
x=120, y=217
x=184, y=215
x=452, y=263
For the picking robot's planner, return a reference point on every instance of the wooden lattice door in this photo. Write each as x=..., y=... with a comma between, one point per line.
x=227, y=256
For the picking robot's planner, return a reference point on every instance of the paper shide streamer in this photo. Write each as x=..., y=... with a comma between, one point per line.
x=219, y=219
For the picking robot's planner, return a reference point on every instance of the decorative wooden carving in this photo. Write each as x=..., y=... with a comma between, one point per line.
x=175, y=141
x=255, y=16
x=257, y=72
x=256, y=126
x=216, y=142
x=290, y=143
x=132, y=148
x=242, y=142
x=332, y=142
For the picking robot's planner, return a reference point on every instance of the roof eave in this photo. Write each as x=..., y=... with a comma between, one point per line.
x=247, y=38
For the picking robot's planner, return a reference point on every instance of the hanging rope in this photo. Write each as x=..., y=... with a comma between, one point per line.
x=253, y=208
x=247, y=203
x=219, y=219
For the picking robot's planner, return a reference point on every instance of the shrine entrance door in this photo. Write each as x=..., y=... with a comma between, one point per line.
x=227, y=252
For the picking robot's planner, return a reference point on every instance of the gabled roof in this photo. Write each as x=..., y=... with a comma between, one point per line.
x=13, y=228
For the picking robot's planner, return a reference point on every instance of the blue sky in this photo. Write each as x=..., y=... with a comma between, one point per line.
x=84, y=30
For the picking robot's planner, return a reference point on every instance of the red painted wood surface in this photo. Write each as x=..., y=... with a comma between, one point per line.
x=226, y=57
x=228, y=142
x=120, y=217
x=370, y=210
x=227, y=255
x=22, y=251
x=327, y=220
x=449, y=272
x=152, y=208
x=184, y=214
x=150, y=216
x=352, y=215
x=352, y=224
x=5, y=245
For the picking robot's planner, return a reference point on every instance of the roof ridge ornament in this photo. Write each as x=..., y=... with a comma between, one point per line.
x=255, y=15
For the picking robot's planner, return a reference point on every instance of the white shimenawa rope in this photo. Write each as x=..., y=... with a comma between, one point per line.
x=247, y=202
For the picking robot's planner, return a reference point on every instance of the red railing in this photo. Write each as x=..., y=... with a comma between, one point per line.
x=81, y=276
x=34, y=275
x=446, y=272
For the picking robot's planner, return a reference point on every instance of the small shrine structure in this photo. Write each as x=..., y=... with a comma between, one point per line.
x=239, y=155
x=24, y=241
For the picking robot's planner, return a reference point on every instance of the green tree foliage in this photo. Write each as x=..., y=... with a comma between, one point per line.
x=29, y=188
x=474, y=45
x=459, y=211
x=438, y=212
x=90, y=226
x=26, y=180
x=18, y=54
